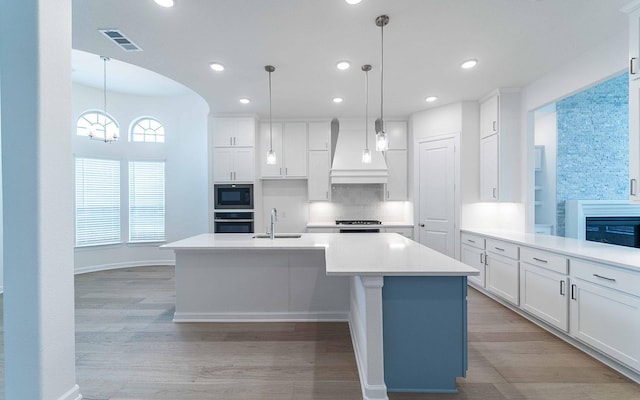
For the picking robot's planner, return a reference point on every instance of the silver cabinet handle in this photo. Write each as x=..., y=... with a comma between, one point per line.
x=495, y=126
x=494, y=193
x=327, y=195
x=234, y=140
x=632, y=187
x=280, y=171
x=540, y=260
x=286, y=171
x=562, y=287
x=388, y=195
x=231, y=176
x=471, y=241
x=230, y=141
x=604, y=277
x=632, y=64
x=481, y=258
x=573, y=292
x=499, y=248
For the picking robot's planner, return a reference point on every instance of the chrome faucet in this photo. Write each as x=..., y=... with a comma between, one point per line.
x=274, y=218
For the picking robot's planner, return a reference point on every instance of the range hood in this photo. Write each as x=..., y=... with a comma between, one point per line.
x=347, y=166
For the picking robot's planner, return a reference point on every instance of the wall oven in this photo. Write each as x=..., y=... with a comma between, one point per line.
x=233, y=196
x=233, y=222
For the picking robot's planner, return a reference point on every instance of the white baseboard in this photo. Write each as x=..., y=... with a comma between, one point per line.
x=105, y=267
x=72, y=394
x=339, y=316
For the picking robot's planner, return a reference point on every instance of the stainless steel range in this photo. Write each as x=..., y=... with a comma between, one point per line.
x=358, y=225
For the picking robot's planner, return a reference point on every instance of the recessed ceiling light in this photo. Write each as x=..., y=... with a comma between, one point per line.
x=245, y=100
x=431, y=99
x=469, y=64
x=338, y=99
x=165, y=3
x=342, y=65
x=353, y=1
x=217, y=67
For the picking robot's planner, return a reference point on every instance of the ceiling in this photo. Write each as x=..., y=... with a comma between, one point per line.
x=515, y=41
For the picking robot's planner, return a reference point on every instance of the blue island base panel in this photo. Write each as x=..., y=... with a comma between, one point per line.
x=424, y=333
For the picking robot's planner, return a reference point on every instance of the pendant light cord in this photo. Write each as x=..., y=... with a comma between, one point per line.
x=366, y=110
x=270, y=118
x=381, y=77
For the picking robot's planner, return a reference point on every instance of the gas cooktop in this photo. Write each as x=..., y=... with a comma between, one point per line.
x=357, y=222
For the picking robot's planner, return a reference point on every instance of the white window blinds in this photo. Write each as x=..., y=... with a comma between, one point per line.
x=146, y=201
x=97, y=201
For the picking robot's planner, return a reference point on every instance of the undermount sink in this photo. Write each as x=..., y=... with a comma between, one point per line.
x=278, y=236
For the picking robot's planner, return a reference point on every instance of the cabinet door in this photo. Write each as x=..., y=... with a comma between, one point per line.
x=489, y=168
x=607, y=320
x=223, y=132
x=634, y=45
x=544, y=294
x=223, y=164
x=474, y=257
x=397, y=134
x=397, y=167
x=244, y=163
x=489, y=116
x=275, y=170
x=294, y=149
x=634, y=141
x=319, y=135
x=318, y=183
x=502, y=278
x=244, y=132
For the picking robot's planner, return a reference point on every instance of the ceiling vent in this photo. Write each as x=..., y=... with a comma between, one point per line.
x=120, y=39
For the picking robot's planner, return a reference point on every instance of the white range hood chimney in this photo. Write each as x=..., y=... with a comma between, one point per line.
x=347, y=166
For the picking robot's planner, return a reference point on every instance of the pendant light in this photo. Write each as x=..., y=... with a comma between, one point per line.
x=366, y=154
x=106, y=136
x=382, y=141
x=271, y=155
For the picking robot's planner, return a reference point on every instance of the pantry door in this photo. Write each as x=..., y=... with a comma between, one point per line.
x=437, y=190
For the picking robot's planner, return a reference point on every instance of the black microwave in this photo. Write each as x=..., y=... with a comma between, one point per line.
x=233, y=196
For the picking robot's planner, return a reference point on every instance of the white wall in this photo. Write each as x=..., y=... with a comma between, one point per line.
x=185, y=153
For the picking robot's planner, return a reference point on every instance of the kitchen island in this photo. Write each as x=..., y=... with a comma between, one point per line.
x=405, y=303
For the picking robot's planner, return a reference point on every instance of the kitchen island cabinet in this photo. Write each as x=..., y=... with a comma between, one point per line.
x=378, y=282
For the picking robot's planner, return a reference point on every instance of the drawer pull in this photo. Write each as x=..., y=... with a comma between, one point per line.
x=471, y=241
x=562, y=288
x=573, y=292
x=632, y=64
x=604, y=277
x=481, y=259
x=499, y=249
x=540, y=260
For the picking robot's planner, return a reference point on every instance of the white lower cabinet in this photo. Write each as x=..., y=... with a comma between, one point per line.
x=544, y=294
x=605, y=310
x=502, y=271
x=472, y=253
x=406, y=232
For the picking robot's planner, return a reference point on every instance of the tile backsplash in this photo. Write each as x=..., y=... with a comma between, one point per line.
x=359, y=202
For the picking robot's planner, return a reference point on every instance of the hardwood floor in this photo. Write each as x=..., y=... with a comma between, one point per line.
x=128, y=348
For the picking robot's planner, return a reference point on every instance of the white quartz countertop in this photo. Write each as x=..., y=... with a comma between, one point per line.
x=373, y=254
x=625, y=257
x=383, y=225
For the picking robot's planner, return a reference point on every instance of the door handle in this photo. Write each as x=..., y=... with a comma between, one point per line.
x=494, y=193
x=573, y=292
x=421, y=225
x=562, y=287
x=632, y=64
x=494, y=125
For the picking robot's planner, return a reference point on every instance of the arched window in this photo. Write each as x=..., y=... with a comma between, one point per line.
x=95, y=124
x=147, y=129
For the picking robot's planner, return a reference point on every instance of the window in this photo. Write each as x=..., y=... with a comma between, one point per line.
x=97, y=201
x=147, y=130
x=146, y=201
x=95, y=123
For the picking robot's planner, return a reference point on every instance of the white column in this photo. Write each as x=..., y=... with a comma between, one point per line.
x=35, y=73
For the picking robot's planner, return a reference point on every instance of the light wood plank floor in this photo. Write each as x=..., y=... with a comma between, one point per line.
x=128, y=348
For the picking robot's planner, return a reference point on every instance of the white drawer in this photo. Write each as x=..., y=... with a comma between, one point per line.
x=545, y=259
x=614, y=278
x=472, y=240
x=406, y=232
x=503, y=248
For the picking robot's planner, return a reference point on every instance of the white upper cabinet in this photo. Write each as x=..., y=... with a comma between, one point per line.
x=396, y=187
x=489, y=115
x=318, y=183
x=234, y=132
x=634, y=100
x=290, y=145
x=233, y=164
x=319, y=135
x=397, y=134
x=500, y=146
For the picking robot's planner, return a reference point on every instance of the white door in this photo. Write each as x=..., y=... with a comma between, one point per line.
x=437, y=195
